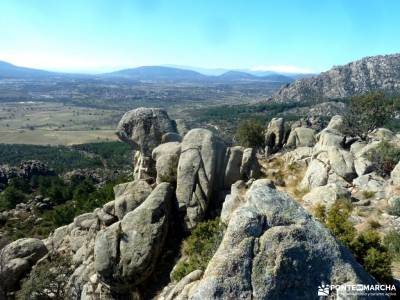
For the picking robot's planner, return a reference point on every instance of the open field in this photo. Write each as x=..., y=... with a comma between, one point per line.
x=52, y=137
x=55, y=116
x=42, y=123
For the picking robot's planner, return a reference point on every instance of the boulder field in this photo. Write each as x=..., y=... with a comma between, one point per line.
x=272, y=248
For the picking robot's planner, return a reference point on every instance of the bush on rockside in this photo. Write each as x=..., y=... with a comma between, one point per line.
x=250, y=134
x=367, y=247
x=199, y=248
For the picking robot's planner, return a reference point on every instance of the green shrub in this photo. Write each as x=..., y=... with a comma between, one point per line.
x=384, y=157
x=198, y=248
x=373, y=255
x=250, y=134
x=319, y=211
x=378, y=264
x=392, y=243
x=367, y=112
x=48, y=278
x=368, y=194
x=394, y=209
x=337, y=221
x=366, y=247
x=374, y=224
x=10, y=197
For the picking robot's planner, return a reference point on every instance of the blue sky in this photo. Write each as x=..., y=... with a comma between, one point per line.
x=94, y=35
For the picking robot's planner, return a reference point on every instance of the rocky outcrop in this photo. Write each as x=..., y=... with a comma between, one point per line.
x=301, y=137
x=16, y=260
x=330, y=160
x=395, y=175
x=276, y=135
x=359, y=77
x=127, y=251
x=200, y=172
x=166, y=157
x=326, y=195
x=143, y=129
x=274, y=249
x=30, y=168
x=26, y=169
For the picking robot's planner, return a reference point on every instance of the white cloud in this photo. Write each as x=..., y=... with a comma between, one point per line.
x=282, y=69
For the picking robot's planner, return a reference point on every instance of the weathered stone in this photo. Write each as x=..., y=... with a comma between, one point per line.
x=167, y=158
x=363, y=166
x=301, y=137
x=316, y=175
x=200, y=173
x=274, y=249
x=276, y=135
x=250, y=167
x=143, y=129
x=326, y=195
x=342, y=163
x=395, y=174
x=372, y=183
x=16, y=260
x=328, y=138
x=233, y=165
x=300, y=155
x=85, y=221
x=127, y=251
x=232, y=200
x=130, y=195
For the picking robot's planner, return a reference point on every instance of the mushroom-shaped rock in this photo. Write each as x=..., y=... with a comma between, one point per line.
x=273, y=248
x=127, y=251
x=200, y=173
x=16, y=260
x=143, y=129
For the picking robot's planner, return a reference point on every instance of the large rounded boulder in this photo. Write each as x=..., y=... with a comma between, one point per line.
x=17, y=259
x=273, y=249
x=143, y=129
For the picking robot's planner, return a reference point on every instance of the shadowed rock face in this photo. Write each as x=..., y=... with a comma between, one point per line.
x=273, y=249
x=355, y=78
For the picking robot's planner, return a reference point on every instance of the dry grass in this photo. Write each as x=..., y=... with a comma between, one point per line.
x=51, y=137
x=285, y=176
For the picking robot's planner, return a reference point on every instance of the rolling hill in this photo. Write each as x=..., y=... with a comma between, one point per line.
x=8, y=70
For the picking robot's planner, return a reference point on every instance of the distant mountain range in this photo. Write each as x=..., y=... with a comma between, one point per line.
x=145, y=73
x=372, y=73
x=8, y=70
